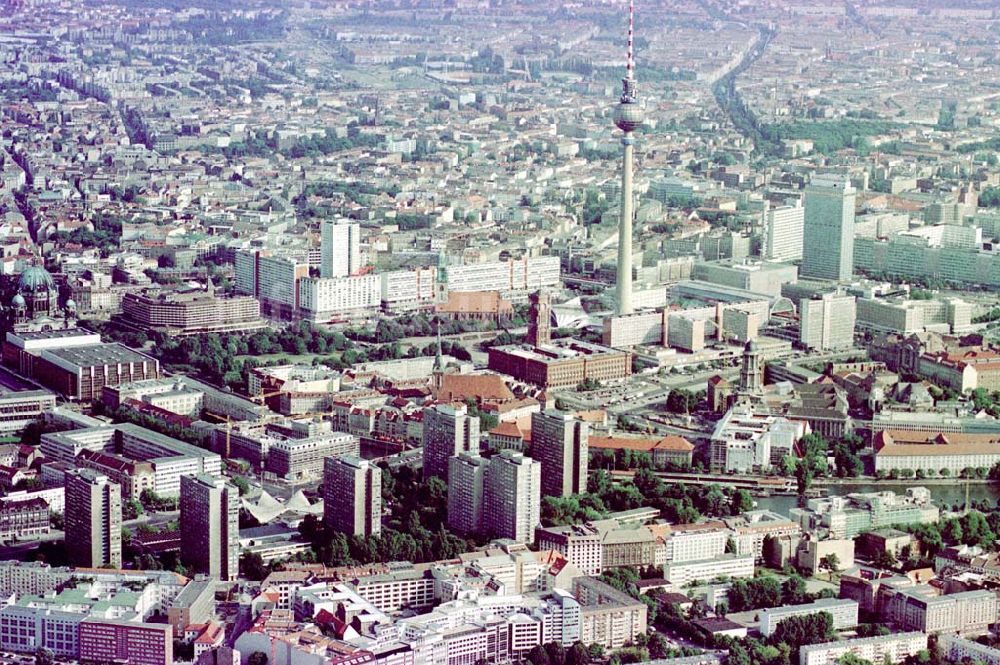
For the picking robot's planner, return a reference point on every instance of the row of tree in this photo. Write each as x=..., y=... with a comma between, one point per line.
x=768, y=591
x=678, y=503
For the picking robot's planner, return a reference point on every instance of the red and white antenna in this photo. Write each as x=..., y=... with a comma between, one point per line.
x=630, y=56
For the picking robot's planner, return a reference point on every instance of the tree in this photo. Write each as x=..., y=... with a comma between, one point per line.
x=578, y=654
x=539, y=656
x=976, y=530
x=793, y=591
x=257, y=658
x=801, y=630
x=44, y=656
x=803, y=477
x=830, y=562
x=252, y=567
x=242, y=485
x=851, y=659
x=884, y=559
x=742, y=502
x=730, y=545
x=557, y=654
x=658, y=645
x=132, y=509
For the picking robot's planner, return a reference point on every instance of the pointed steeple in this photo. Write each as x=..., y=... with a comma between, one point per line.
x=438, y=362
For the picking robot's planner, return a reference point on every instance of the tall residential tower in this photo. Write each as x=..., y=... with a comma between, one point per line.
x=628, y=117
x=93, y=520
x=559, y=442
x=210, y=522
x=352, y=496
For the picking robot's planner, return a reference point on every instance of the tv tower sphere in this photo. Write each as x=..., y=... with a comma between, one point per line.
x=629, y=116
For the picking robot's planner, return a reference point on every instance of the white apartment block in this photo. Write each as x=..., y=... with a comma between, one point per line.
x=894, y=648
x=695, y=545
x=277, y=278
x=960, y=650
x=844, y=613
x=640, y=328
x=406, y=290
x=965, y=613
x=340, y=248
x=527, y=274
x=466, y=475
x=885, y=316
x=396, y=590
x=734, y=566
x=827, y=322
x=911, y=316
x=297, y=459
x=750, y=530
x=784, y=225
x=25, y=629
x=21, y=408
x=28, y=578
x=512, y=496
x=325, y=300
x=581, y=546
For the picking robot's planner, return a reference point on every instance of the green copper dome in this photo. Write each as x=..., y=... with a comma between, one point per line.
x=35, y=278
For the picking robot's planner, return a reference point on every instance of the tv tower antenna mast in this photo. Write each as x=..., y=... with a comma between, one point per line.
x=628, y=117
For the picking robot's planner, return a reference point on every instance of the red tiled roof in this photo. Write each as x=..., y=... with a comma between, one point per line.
x=671, y=443
x=481, y=387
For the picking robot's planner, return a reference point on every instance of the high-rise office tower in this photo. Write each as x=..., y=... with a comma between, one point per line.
x=512, y=496
x=827, y=321
x=540, y=319
x=93, y=520
x=210, y=524
x=559, y=443
x=448, y=431
x=466, y=472
x=352, y=496
x=783, y=232
x=629, y=116
x=828, y=245
x=340, y=248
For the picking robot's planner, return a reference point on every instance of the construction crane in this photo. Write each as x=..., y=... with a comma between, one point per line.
x=263, y=396
x=229, y=428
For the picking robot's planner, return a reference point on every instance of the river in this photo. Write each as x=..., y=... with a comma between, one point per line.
x=944, y=495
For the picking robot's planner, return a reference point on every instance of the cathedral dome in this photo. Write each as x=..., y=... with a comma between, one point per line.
x=35, y=278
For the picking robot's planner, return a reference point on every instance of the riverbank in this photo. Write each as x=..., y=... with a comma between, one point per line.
x=906, y=482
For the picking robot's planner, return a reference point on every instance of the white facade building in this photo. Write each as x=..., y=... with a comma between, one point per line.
x=844, y=613
x=733, y=566
x=340, y=247
x=405, y=290
x=827, y=322
x=784, y=230
x=325, y=300
x=527, y=274
x=893, y=648
x=512, y=497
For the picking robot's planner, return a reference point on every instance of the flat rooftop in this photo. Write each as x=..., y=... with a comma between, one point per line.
x=61, y=333
x=99, y=354
x=559, y=350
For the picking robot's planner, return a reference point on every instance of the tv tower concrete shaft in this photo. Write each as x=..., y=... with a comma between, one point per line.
x=628, y=117
x=624, y=284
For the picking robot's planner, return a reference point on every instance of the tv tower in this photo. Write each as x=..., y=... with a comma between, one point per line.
x=628, y=116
